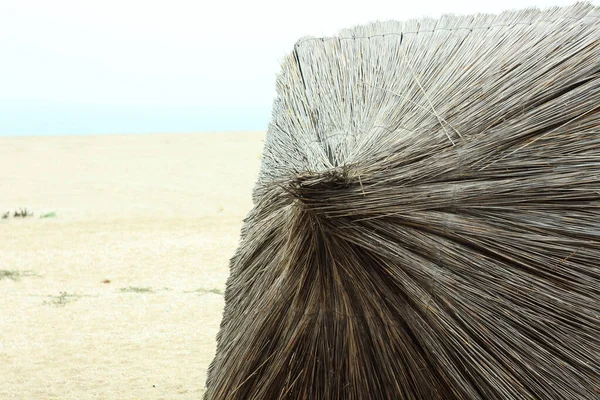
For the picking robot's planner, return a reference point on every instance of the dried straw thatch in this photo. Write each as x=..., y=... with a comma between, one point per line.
x=427, y=217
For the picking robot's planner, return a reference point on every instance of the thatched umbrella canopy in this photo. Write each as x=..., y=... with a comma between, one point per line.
x=427, y=217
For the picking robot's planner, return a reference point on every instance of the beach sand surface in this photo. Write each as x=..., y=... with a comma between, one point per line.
x=120, y=294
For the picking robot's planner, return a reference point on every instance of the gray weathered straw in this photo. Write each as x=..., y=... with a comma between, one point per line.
x=427, y=217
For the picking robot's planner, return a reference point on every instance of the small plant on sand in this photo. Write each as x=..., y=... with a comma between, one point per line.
x=48, y=215
x=133, y=289
x=202, y=291
x=13, y=275
x=5, y=215
x=22, y=213
x=62, y=299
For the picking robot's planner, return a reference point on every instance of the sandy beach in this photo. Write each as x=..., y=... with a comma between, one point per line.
x=118, y=294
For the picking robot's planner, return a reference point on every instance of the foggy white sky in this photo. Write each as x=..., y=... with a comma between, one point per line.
x=177, y=52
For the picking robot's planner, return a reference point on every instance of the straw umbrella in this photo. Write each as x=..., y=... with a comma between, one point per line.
x=426, y=222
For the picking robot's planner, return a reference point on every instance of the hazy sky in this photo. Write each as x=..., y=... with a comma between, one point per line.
x=75, y=66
